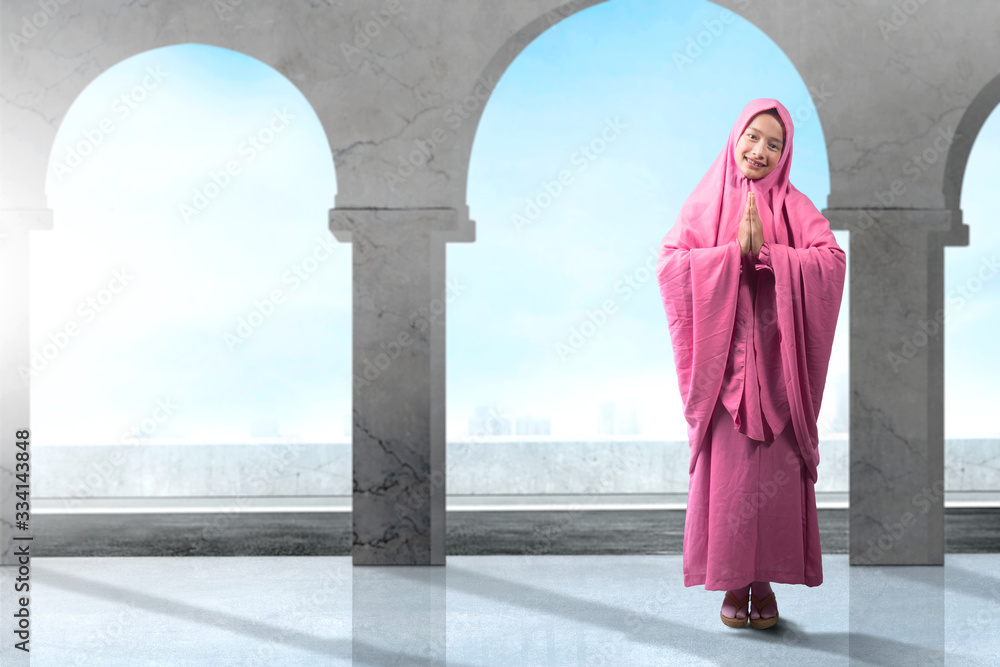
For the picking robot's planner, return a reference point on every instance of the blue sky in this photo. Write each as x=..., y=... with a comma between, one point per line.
x=199, y=246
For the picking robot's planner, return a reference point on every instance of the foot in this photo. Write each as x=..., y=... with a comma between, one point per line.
x=761, y=589
x=729, y=609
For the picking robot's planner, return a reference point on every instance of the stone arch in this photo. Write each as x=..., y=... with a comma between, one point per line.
x=502, y=59
x=802, y=111
x=492, y=73
x=46, y=143
x=972, y=121
x=254, y=90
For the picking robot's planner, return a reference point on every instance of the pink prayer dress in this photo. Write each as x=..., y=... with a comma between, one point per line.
x=751, y=338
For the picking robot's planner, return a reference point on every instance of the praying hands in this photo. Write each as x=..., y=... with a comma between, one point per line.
x=751, y=231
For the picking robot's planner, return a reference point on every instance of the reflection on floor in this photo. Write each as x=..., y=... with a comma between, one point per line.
x=494, y=610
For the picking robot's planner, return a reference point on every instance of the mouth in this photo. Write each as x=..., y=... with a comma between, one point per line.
x=754, y=164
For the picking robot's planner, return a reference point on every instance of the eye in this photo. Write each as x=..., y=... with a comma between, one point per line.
x=774, y=147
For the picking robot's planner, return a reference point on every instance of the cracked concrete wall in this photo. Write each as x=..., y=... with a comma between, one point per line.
x=890, y=80
x=375, y=95
x=888, y=84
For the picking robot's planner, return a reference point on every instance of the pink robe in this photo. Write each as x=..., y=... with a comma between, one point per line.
x=751, y=338
x=749, y=496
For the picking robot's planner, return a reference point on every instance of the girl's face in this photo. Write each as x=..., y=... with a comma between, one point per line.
x=759, y=149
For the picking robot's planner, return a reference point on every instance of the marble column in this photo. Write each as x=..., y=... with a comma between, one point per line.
x=896, y=276
x=399, y=303
x=15, y=344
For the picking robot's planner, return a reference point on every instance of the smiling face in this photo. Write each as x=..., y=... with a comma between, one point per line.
x=759, y=149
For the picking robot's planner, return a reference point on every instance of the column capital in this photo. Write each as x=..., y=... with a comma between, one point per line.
x=387, y=224
x=941, y=221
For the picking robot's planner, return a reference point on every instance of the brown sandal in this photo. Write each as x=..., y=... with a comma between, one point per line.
x=762, y=623
x=735, y=622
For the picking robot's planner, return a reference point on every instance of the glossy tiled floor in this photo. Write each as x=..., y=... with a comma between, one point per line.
x=495, y=610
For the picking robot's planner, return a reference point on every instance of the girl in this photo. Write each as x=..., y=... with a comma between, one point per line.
x=751, y=279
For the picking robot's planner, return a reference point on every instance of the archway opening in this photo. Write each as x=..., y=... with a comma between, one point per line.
x=972, y=300
x=190, y=296
x=586, y=150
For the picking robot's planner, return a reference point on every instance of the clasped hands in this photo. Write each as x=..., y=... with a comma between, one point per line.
x=751, y=231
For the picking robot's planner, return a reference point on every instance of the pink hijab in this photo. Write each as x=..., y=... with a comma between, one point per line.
x=699, y=273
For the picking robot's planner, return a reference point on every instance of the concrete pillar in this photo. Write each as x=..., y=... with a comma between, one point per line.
x=896, y=276
x=399, y=303
x=15, y=362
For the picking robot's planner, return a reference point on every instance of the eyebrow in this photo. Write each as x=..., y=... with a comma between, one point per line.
x=751, y=127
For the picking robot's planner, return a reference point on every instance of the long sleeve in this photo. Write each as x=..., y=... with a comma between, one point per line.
x=763, y=260
x=809, y=285
x=698, y=286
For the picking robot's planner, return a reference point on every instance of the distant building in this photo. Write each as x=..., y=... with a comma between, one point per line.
x=265, y=428
x=619, y=419
x=627, y=420
x=606, y=419
x=488, y=421
x=533, y=426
